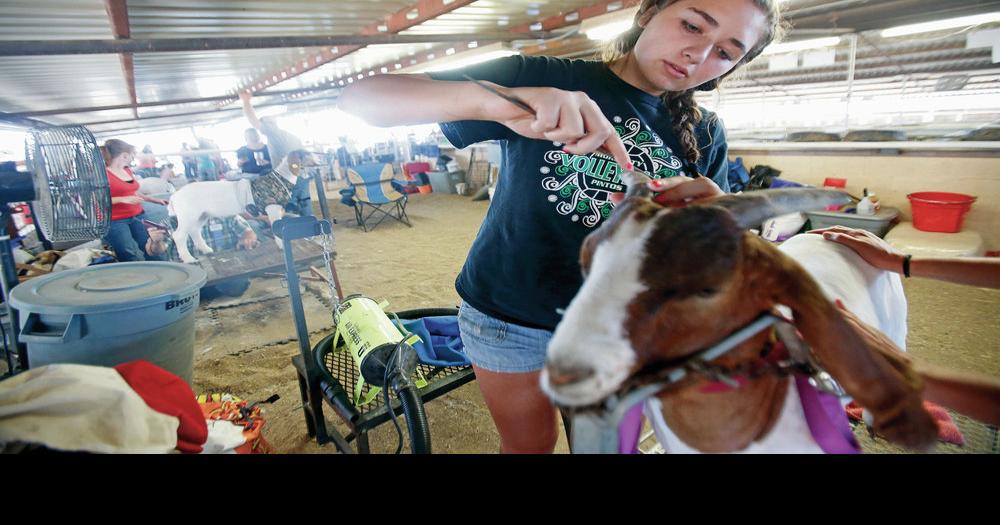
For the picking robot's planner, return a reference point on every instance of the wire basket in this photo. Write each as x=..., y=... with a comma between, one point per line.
x=71, y=184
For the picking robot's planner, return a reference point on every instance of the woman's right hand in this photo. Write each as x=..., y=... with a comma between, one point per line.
x=869, y=246
x=569, y=117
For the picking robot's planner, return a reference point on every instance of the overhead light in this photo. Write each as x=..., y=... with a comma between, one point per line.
x=608, y=26
x=939, y=25
x=799, y=45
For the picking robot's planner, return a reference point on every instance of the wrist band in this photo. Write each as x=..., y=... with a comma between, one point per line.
x=906, y=264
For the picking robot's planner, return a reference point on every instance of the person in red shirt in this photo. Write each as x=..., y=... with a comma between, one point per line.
x=127, y=237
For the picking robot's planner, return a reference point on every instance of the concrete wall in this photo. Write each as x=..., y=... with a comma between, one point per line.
x=892, y=177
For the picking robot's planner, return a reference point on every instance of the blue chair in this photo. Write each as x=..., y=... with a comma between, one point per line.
x=374, y=194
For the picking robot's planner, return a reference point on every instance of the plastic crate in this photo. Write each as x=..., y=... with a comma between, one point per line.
x=877, y=224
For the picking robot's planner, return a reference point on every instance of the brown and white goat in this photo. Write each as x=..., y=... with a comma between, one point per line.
x=662, y=284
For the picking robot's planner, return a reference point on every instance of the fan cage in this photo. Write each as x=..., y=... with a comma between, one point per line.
x=71, y=184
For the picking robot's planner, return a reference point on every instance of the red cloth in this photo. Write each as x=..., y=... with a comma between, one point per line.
x=947, y=430
x=120, y=188
x=168, y=394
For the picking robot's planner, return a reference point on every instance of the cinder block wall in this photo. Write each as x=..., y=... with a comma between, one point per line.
x=892, y=177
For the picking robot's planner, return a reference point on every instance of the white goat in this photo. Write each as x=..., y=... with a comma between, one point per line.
x=663, y=283
x=197, y=202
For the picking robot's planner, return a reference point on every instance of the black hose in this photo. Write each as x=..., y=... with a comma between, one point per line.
x=416, y=419
x=322, y=349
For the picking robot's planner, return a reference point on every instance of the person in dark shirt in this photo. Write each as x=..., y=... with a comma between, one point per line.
x=254, y=157
x=556, y=188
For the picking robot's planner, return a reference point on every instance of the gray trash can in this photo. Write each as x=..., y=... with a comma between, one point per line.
x=110, y=314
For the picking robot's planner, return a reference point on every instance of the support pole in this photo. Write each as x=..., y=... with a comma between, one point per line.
x=852, y=62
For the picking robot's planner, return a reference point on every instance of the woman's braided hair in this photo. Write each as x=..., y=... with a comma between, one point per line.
x=681, y=104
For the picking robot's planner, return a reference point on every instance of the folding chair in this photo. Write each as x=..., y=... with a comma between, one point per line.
x=372, y=185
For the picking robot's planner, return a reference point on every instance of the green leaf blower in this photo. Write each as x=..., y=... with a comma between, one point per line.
x=384, y=359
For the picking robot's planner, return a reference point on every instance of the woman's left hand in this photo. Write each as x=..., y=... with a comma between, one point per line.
x=677, y=192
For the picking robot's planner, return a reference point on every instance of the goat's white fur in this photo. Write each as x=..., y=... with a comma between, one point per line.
x=875, y=296
x=591, y=332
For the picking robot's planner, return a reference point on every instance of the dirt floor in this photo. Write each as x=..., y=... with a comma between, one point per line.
x=246, y=349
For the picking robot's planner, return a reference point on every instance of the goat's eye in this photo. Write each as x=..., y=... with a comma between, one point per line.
x=707, y=292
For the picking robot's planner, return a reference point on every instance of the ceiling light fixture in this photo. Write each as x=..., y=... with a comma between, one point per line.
x=800, y=45
x=939, y=25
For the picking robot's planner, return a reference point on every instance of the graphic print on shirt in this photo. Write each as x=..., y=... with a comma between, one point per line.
x=582, y=185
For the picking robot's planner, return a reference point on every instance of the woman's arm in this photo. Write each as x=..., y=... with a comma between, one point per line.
x=248, y=111
x=973, y=271
x=128, y=199
x=396, y=100
x=568, y=117
x=154, y=200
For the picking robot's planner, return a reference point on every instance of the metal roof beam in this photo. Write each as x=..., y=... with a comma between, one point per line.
x=94, y=109
x=118, y=16
x=167, y=45
x=215, y=110
x=216, y=117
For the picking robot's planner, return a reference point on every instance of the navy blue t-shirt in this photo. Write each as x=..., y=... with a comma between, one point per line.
x=524, y=263
x=250, y=155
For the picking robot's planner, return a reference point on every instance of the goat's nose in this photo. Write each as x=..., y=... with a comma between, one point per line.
x=567, y=375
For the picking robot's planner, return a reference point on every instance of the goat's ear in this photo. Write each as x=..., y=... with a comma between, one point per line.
x=882, y=382
x=752, y=208
x=637, y=184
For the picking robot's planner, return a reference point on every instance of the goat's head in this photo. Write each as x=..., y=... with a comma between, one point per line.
x=662, y=283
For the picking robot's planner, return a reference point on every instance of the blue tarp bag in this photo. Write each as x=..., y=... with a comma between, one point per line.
x=440, y=343
x=738, y=176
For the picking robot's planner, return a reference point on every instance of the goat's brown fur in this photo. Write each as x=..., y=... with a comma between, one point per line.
x=721, y=281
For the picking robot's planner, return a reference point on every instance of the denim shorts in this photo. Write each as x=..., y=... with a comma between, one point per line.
x=499, y=346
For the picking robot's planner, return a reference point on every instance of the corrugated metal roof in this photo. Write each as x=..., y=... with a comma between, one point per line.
x=53, y=20
x=493, y=15
x=171, y=76
x=31, y=83
x=81, y=81
x=189, y=18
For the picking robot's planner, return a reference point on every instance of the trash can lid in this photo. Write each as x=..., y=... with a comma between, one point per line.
x=107, y=287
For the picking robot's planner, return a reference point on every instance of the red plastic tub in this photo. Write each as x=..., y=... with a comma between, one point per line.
x=937, y=211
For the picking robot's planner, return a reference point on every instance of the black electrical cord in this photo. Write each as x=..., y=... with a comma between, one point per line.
x=6, y=349
x=385, y=390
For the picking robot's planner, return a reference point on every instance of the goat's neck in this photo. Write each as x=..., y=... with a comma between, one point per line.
x=725, y=421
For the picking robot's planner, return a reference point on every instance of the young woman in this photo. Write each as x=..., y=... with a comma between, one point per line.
x=555, y=188
x=128, y=236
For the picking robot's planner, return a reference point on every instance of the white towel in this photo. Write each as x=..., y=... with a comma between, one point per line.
x=82, y=408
